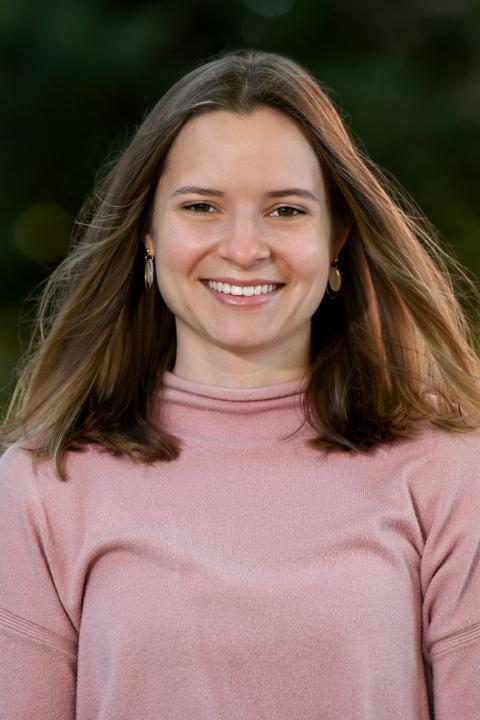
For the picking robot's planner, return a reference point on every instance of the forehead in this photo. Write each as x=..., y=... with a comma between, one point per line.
x=264, y=143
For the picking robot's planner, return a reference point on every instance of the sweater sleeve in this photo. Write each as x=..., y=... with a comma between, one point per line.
x=38, y=641
x=450, y=574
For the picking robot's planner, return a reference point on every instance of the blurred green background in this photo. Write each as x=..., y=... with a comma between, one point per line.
x=77, y=77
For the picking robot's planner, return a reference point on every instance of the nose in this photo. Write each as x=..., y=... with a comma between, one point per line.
x=244, y=243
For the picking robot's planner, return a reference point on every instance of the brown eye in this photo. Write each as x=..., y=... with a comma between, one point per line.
x=198, y=207
x=290, y=211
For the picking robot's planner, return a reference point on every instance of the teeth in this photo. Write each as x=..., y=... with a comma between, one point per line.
x=237, y=290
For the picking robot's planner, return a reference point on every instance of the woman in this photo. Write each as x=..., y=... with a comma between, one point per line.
x=254, y=378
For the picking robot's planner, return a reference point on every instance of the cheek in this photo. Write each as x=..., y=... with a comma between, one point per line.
x=313, y=263
x=313, y=270
x=175, y=259
x=171, y=252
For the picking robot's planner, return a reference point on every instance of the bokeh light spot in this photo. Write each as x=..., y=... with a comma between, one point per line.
x=42, y=232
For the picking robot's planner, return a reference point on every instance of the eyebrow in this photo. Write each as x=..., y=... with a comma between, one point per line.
x=298, y=192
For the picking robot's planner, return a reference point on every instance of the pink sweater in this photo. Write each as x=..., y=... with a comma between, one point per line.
x=251, y=579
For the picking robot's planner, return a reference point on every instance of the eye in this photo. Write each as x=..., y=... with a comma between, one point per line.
x=198, y=208
x=297, y=211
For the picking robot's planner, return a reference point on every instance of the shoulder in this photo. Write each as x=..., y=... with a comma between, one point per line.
x=14, y=457
x=91, y=472
x=435, y=467
x=441, y=473
x=17, y=471
x=433, y=446
x=34, y=496
x=454, y=454
x=23, y=475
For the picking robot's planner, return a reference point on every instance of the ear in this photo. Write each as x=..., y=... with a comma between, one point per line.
x=148, y=242
x=341, y=236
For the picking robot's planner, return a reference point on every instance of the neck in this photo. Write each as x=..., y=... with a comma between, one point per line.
x=223, y=367
x=240, y=377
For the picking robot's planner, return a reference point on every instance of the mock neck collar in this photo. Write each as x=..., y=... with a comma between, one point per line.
x=231, y=416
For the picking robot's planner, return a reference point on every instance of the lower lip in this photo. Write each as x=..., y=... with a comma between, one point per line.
x=243, y=300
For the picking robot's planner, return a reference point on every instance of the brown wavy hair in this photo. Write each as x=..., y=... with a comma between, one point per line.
x=395, y=348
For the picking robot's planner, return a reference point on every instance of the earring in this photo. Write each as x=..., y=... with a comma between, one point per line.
x=148, y=274
x=334, y=279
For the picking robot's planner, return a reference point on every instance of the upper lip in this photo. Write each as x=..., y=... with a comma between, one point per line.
x=245, y=283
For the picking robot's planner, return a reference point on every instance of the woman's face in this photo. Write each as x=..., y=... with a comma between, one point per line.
x=241, y=203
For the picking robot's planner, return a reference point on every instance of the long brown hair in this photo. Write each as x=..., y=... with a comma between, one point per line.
x=393, y=348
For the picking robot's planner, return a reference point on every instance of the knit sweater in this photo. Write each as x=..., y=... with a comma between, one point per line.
x=253, y=578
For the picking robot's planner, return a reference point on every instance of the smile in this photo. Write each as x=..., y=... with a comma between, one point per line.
x=243, y=296
x=248, y=290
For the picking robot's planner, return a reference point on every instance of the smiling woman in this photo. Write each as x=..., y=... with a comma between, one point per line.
x=262, y=395
x=241, y=249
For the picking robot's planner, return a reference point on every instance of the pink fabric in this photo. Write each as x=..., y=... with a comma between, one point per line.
x=254, y=578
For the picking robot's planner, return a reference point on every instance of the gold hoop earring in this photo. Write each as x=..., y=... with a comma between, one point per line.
x=148, y=273
x=334, y=279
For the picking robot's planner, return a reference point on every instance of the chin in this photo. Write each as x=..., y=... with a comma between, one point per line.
x=238, y=345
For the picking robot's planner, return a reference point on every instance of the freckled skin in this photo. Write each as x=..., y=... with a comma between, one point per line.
x=245, y=235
